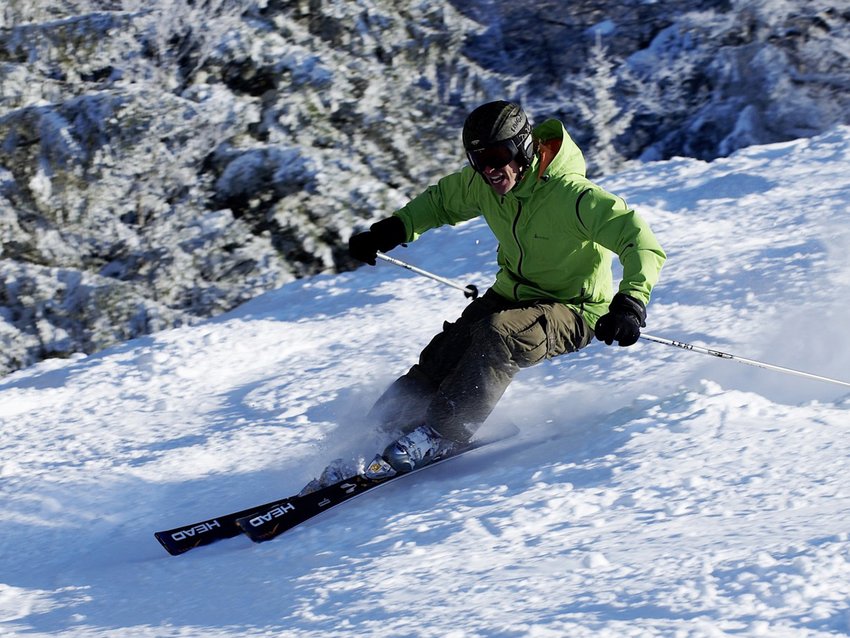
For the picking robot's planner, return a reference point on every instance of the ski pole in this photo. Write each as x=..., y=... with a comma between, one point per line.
x=470, y=291
x=732, y=357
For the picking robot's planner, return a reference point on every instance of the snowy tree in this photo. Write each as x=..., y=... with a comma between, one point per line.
x=181, y=36
x=602, y=115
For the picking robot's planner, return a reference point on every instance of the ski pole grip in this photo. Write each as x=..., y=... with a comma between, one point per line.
x=471, y=291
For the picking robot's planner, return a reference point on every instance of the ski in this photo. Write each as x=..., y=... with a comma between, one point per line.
x=181, y=539
x=264, y=522
x=268, y=522
x=272, y=521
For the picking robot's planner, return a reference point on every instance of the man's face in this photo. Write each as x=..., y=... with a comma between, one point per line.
x=502, y=179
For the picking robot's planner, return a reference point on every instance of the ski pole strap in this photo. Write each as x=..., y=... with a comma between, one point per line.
x=470, y=291
x=732, y=357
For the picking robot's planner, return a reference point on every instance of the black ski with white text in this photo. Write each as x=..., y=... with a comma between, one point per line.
x=181, y=539
x=266, y=521
x=269, y=522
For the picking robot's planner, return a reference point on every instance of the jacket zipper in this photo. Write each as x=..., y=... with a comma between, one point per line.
x=519, y=246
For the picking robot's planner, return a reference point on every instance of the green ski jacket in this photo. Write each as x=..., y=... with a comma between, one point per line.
x=556, y=229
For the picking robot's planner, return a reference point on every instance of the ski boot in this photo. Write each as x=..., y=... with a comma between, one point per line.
x=338, y=470
x=411, y=451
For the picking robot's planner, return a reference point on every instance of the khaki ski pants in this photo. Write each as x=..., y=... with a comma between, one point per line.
x=464, y=370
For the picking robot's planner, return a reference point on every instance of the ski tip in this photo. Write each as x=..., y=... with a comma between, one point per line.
x=164, y=540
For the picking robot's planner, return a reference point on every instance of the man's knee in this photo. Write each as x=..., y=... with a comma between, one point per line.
x=520, y=339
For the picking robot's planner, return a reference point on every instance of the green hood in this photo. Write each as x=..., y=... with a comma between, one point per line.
x=569, y=159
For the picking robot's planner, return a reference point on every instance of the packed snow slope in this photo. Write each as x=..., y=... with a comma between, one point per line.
x=650, y=492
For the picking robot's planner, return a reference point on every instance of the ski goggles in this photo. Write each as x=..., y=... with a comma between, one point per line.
x=495, y=156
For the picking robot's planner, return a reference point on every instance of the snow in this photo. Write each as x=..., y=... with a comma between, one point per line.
x=650, y=492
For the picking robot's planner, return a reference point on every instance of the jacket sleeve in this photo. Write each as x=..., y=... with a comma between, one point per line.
x=449, y=201
x=608, y=221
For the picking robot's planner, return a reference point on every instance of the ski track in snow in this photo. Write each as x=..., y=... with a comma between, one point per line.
x=651, y=491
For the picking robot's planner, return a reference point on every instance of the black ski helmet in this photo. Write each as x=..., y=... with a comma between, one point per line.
x=496, y=133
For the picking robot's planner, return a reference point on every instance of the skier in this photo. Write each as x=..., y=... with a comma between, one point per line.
x=553, y=291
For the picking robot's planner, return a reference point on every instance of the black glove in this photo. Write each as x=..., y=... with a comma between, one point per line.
x=626, y=316
x=383, y=235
